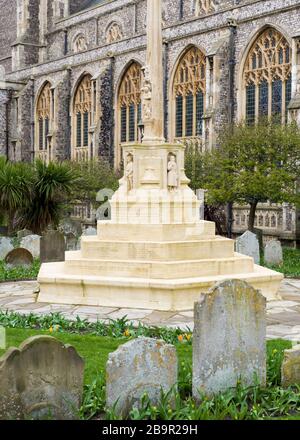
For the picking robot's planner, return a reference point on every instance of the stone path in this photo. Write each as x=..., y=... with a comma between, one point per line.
x=283, y=317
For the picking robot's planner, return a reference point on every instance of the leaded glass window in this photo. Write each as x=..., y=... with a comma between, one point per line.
x=250, y=103
x=267, y=76
x=179, y=108
x=130, y=103
x=83, y=119
x=263, y=98
x=43, y=116
x=277, y=97
x=189, y=94
x=123, y=123
x=199, y=113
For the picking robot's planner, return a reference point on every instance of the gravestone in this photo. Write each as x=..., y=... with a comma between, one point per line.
x=68, y=226
x=42, y=379
x=24, y=233
x=53, y=247
x=71, y=241
x=19, y=257
x=6, y=246
x=89, y=232
x=32, y=244
x=290, y=370
x=201, y=197
x=273, y=253
x=248, y=244
x=141, y=366
x=229, y=338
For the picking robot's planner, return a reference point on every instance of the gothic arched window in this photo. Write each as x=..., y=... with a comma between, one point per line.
x=130, y=104
x=43, y=118
x=189, y=94
x=267, y=77
x=82, y=118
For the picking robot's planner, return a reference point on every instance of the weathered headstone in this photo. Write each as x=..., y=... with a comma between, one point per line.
x=24, y=233
x=141, y=366
x=229, y=338
x=248, y=245
x=42, y=379
x=290, y=370
x=71, y=241
x=19, y=257
x=6, y=246
x=201, y=197
x=32, y=244
x=90, y=231
x=273, y=253
x=68, y=225
x=53, y=247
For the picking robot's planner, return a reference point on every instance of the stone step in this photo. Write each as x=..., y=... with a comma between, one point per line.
x=171, y=295
x=164, y=232
x=158, y=269
x=93, y=248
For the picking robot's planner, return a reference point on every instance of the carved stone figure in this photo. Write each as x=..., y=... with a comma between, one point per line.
x=129, y=172
x=172, y=173
x=114, y=33
x=147, y=94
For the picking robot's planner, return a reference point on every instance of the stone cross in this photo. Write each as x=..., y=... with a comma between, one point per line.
x=152, y=89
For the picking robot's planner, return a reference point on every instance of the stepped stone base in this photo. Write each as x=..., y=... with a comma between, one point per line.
x=162, y=267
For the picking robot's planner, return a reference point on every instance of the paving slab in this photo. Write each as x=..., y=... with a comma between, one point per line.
x=283, y=317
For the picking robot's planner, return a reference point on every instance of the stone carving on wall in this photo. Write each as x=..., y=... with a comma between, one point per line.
x=113, y=33
x=205, y=7
x=146, y=92
x=172, y=173
x=80, y=44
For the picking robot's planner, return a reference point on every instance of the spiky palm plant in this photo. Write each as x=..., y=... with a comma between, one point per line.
x=52, y=185
x=15, y=183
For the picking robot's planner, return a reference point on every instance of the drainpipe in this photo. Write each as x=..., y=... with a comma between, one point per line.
x=68, y=149
x=231, y=97
x=165, y=85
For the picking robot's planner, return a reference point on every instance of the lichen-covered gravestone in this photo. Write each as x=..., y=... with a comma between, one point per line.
x=32, y=244
x=42, y=379
x=141, y=366
x=290, y=370
x=229, y=338
x=248, y=244
x=6, y=246
x=24, y=233
x=53, y=247
x=273, y=253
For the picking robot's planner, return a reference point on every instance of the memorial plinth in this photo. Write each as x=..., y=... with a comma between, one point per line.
x=154, y=253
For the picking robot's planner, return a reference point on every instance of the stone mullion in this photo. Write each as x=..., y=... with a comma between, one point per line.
x=270, y=100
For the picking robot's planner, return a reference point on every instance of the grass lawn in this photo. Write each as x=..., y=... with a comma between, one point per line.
x=271, y=402
x=291, y=263
x=93, y=349
x=19, y=273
